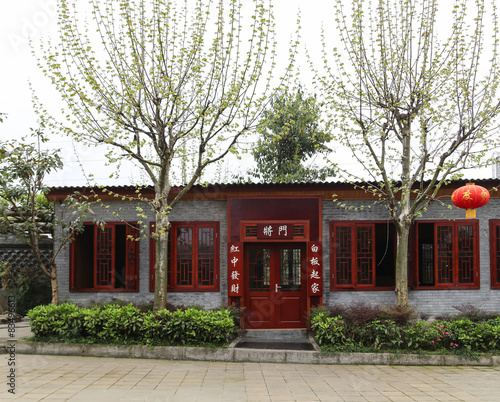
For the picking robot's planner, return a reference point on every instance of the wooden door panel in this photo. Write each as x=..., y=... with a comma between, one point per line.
x=262, y=312
x=275, y=285
x=290, y=310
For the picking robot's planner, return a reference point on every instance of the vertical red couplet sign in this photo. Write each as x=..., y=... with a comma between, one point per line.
x=235, y=268
x=314, y=268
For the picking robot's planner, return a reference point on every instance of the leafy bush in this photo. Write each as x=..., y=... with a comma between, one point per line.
x=398, y=329
x=419, y=335
x=380, y=334
x=128, y=324
x=329, y=330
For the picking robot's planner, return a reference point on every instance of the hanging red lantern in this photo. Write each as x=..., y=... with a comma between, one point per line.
x=470, y=197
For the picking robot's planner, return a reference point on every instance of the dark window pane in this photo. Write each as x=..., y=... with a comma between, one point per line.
x=364, y=255
x=465, y=254
x=290, y=267
x=104, y=256
x=445, y=253
x=343, y=255
x=206, y=249
x=184, y=256
x=259, y=269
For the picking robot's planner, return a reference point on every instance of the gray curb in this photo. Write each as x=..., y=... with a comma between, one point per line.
x=239, y=355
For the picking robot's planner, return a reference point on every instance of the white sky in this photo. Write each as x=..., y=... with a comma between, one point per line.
x=22, y=18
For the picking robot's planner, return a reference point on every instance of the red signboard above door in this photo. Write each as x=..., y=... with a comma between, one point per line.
x=274, y=231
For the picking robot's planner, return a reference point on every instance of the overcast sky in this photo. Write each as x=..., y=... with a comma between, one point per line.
x=23, y=18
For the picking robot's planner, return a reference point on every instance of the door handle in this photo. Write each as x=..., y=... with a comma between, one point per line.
x=277, y=287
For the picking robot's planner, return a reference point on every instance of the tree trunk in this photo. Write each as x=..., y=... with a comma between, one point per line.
x=50, y=273
x=402, y=265
x=161, y=264
x=54, y=285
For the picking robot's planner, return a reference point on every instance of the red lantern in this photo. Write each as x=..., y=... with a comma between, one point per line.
x=470, y=197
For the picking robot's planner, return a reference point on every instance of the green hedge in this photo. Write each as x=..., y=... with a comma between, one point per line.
x=128, y=325
x=458, y=335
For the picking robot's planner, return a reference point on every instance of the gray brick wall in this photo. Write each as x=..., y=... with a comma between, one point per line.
x=432, y=302
x=126, y=211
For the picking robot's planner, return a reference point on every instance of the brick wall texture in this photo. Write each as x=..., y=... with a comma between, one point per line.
x=432, y=302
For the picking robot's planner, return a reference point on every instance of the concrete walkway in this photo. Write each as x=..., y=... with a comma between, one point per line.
x=71, y=378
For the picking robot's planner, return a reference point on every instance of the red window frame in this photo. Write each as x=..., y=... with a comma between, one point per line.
x=448, y=257
x=103, y=259
x=495, y=253
x=355, y=254
x=192, y=258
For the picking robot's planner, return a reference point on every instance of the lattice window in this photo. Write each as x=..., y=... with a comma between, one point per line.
x=448, y=254
x=343, y=255
x=193, y=253
x=354, y=254
x=104, y=258
x=444, y=236
x=251, y=231
x=496, y=256
x=299, y=230
x=184, y=256
x=364, y=255
x=465, y=254
x=206, y=254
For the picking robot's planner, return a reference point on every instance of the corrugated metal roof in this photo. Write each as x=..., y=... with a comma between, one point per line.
x=256, y=184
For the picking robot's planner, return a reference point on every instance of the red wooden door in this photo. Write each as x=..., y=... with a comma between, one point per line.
x=275, y=285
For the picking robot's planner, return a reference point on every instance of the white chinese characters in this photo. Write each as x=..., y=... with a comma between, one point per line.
x=234, y=273
x=268, y=231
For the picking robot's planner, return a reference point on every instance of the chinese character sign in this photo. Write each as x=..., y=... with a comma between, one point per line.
x=274, y=231
x=235, y=268
x=314, y=269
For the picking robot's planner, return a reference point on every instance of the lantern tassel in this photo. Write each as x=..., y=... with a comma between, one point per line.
x=470, y=213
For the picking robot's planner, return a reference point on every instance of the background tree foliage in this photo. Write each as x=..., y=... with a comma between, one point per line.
x=290, y=134
x=161, y=82
x=413, y=95
x=25, y=212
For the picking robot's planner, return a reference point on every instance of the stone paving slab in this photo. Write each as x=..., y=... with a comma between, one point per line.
x=76, y=378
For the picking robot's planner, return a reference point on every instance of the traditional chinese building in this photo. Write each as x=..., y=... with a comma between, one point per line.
x=280, y=249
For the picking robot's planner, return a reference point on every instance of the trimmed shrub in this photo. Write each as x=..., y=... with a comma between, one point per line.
x=127, y=325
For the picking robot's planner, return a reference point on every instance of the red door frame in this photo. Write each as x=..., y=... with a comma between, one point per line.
x=276, y=308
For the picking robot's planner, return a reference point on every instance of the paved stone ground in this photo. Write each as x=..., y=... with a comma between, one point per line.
x=65, y=378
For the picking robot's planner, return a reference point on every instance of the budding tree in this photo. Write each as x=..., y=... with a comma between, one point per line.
x=413, y=93
x=159, y=80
